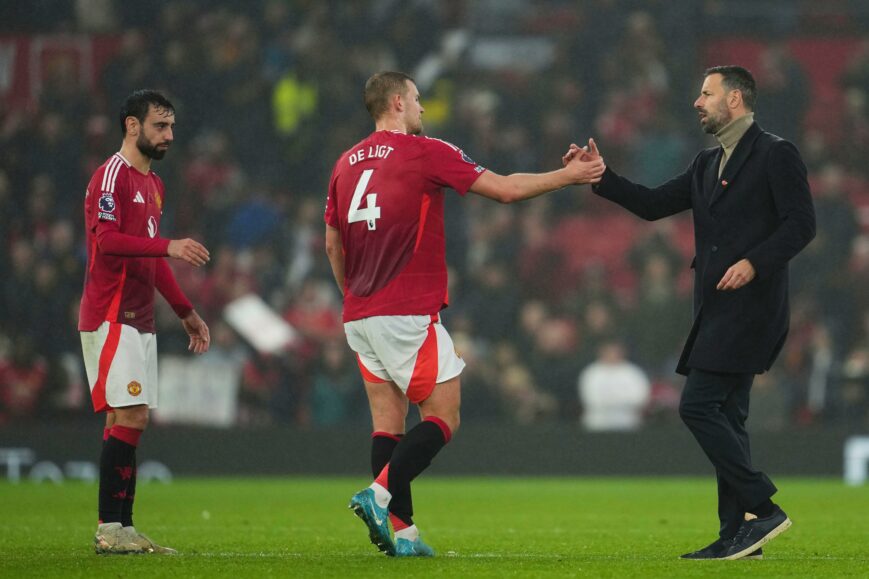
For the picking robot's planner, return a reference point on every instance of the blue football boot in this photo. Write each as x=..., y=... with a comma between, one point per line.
x=408, y=548
x=375, y=517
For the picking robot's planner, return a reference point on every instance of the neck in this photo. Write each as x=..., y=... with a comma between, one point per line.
x=390, y=124
x=137, y=159
x=732, y=132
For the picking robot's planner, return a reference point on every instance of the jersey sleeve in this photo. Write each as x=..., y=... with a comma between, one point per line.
x=109, y=195
x=106, y=211
x=167, y=285
x=331, y=215
x=446, y=165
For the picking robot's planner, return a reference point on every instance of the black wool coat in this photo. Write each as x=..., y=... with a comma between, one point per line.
x=760, y=209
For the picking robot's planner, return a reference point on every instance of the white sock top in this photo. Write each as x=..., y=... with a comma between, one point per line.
x=381, y=495
x=410, y=533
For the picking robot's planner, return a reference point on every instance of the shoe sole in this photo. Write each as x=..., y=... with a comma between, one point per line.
x=413, y=554
x=99, y=550
x=784, y=526
x=386, y=546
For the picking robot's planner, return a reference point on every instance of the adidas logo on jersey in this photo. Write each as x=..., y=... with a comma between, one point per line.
x=138, y=198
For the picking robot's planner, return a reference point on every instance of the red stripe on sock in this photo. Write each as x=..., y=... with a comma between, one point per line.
x=126, y=434
x=106, y=432
x=377, y=433
x=448, y=434
x=383, y=478
x=397, y=524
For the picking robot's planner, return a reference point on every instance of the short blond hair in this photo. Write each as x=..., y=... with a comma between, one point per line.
x=380, y=88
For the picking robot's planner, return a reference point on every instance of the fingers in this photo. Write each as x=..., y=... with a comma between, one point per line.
x=189, y=250
x=725, y=282
x=589, y=170
x=200, y=341
x=571, y=152
x=733, y=279
x=200, y=337
x=737, y=275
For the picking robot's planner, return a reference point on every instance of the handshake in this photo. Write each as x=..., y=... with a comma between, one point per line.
x=585, y=163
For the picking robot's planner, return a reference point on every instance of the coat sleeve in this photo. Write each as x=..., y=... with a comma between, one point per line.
x=672, y=197
x=786, y=174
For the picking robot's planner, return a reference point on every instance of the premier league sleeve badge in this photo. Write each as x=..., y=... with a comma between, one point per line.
x=107, y=207
x=107, y=203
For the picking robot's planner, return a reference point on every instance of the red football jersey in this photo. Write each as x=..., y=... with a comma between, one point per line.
x=386, y=198
x=119, y=287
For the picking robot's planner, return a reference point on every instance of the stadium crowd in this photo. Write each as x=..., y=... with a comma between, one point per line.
x=268, y=95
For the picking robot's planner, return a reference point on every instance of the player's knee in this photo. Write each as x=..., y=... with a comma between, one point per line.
x=133, y=417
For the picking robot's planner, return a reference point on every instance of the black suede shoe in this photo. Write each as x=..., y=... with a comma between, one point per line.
x=717, y=550
x=756, y=533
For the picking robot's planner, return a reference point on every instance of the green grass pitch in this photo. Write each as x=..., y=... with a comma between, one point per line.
x=480, y=527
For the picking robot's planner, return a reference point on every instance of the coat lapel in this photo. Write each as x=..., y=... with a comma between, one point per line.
x=710, y=175
x=737, y=160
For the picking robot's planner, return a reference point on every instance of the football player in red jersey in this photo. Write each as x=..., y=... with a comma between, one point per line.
x=123, y=205
x=385, y=242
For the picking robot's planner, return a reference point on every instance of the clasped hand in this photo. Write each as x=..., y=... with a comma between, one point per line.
x=588, y=161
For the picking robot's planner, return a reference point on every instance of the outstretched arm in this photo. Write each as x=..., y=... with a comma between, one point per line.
x=521, y=186
x=113, y=242
x=668, y=199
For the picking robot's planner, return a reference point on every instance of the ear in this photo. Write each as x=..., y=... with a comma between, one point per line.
x=735, y=98
x=132, y=124
x=398, y=102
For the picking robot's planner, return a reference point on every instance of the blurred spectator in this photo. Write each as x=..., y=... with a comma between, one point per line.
x=554, y=364
x=769, y=404
x=133, y=67
x=337, y=393
x=855, y=380
x=785, y=93
x=493, y=301
x=613, y=391
x=658, y=306
x=22, y=381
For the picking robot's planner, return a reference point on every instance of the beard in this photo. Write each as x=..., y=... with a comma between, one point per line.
x=149, y=150
x=716, y=122
x=415, y=129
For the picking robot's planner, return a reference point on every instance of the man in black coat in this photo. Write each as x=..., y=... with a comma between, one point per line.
x=753, y=212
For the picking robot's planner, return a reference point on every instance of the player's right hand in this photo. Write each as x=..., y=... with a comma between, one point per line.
x=585, y=169
x=189, y=250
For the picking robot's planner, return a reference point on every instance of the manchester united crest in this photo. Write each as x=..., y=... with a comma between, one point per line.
x=134, y=388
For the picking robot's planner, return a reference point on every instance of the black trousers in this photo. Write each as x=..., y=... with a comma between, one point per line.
x=714, y=406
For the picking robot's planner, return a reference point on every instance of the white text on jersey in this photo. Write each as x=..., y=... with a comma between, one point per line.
x=375, y=152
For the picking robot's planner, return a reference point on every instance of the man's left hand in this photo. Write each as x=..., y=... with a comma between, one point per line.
x=737, y=275
x=200, y=339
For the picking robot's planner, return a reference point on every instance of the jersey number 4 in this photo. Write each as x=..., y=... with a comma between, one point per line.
x=371, y=213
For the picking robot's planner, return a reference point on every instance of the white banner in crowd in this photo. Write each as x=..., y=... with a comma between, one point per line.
x=259, y=324
x=200, y=391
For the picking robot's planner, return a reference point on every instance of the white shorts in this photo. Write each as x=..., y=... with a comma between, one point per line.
x=121, y=365
x=415, y=352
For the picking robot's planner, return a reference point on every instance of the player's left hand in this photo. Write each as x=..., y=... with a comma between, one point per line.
x=197, y=329
x=737, y=275
x=585, y=153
